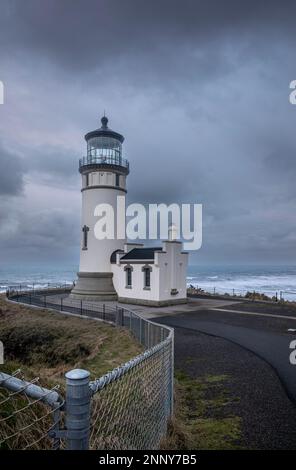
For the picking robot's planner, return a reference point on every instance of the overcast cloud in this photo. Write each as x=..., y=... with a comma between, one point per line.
x=200, y=91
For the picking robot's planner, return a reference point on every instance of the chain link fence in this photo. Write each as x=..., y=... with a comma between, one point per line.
x=136, y=399
x=127, y=408
x=28, y=412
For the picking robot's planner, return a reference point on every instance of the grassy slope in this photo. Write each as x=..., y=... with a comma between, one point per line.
x=45, y=344
x=48, y=344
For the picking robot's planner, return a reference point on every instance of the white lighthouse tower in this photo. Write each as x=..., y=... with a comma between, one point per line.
x=103, y=173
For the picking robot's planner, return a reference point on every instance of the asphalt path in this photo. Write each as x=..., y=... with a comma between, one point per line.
x=266, y=336
x=252, y=352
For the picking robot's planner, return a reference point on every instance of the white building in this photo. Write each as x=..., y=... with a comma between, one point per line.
x=111, y=269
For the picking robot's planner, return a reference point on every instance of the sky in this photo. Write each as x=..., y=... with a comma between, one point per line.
x=199, y=89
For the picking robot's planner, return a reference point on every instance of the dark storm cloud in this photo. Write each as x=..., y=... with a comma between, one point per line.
x=11, y=174
x=167, y=44
x=54, y=165
x=199, y=89
x=88, y=32
x=282, y=159
x=45, y=236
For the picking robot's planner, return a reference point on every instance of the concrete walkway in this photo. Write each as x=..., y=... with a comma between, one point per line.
x=243, y=312
x=154, y=312
x=193, y=305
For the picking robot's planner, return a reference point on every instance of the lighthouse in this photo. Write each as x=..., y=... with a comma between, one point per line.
x=110, y=268
x=103, y=178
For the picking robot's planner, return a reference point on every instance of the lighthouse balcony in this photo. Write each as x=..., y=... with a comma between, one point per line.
x=103, y=162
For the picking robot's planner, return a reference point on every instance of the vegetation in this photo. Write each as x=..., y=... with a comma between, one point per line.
x=46, y=345
x=49, y=344
x=250, y=295
x=260, y=296
x=201, y=421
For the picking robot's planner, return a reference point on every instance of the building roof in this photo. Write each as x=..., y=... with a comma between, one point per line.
x=146, y=254
x=113, y=256
x=104, y=131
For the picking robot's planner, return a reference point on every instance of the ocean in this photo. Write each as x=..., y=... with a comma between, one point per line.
x=242, y=279
x=220, y=279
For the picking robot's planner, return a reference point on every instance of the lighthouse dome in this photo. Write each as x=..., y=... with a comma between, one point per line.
x=104, y=148
x=104, y=131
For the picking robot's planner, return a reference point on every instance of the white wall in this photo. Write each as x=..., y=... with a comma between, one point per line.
x=173, y=268
x=137, y=291
x=103, y=178
x=168, y=272
x=97, y=257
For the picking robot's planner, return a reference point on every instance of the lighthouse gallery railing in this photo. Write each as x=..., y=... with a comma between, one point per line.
x=103, y=160
x=130, y=406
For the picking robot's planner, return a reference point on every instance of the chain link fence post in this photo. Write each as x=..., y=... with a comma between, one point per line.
x=172, y=372
x=119, y=317
x=78, y=398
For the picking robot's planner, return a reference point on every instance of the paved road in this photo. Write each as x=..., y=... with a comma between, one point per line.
x=265, y=336
x=264, y=333
x=219, y=342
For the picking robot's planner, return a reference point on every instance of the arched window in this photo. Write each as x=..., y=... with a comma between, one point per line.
x=147, y=276
x=128, y=277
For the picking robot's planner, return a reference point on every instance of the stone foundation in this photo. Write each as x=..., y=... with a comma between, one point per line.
x=94, y=286
x=152, y=303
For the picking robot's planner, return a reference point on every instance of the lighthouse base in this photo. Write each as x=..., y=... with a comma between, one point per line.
x=94, y=286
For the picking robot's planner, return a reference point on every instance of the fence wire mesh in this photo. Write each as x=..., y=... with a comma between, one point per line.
x=131, y=405
x=28, y=412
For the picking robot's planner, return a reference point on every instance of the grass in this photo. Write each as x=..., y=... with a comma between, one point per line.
x=48, y=344
x=45, y=344
x=201, y=420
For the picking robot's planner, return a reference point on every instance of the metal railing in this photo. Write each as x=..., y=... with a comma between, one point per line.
x=130, y=406
x=103, y=160
x=28, y=413
x=237, y=292
x=37, y=287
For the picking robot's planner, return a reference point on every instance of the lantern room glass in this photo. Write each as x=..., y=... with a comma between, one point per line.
x=104, y=148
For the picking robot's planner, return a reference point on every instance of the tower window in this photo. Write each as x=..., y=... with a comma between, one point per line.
x=128, y=278
x=85, y=231
x=147, y=276
x=87, y=179
x=116, y=180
